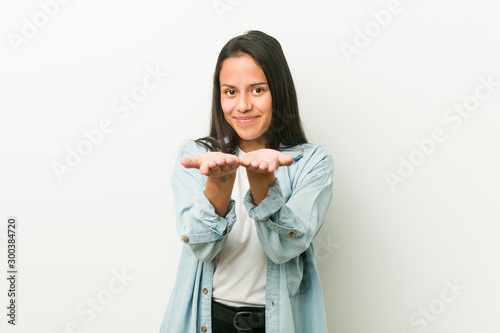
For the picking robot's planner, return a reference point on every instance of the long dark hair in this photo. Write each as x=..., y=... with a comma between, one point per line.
x=286, y=127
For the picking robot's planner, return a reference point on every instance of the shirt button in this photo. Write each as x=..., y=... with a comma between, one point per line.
x=292, y=234
x=185, y=239
x=203, y=329
x=205, y=291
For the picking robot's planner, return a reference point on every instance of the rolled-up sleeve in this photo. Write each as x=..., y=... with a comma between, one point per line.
x=286, y=228
x=198, y=225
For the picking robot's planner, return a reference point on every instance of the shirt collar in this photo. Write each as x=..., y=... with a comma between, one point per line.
x=296, y=151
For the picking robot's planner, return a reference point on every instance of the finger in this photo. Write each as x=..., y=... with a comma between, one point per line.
x=285, y=160
x=233, y=162
x=263, y=165
x=256, y=169
x=255, y=164
x=227, y=169
x=204, y=169
x=245, y=161
x=231, y=159
x=212, y=163
x=189, y=162
x=214, y=171
x=253, y=169
x=220, y=161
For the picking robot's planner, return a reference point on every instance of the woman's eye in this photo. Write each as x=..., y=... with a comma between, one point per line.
x=230, y=92
x=258, y=90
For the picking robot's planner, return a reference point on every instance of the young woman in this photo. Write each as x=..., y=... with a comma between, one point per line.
x=250, y=198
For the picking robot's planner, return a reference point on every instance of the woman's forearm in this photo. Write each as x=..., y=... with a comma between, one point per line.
x=260, y=184
x=218, y=191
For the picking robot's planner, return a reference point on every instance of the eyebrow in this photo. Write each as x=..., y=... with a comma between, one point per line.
x=253, y=84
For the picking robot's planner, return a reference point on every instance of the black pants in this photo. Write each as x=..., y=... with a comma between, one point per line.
x=223, y=327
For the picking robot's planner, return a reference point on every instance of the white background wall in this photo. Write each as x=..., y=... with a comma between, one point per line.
x=387, y=255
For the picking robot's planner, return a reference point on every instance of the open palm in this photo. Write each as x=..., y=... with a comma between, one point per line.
x=213, y=164
x=265, y=160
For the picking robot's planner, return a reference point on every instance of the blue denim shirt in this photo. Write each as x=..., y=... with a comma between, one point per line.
x=287, y=221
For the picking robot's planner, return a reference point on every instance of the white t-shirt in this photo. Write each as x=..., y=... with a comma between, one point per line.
x=241, y=266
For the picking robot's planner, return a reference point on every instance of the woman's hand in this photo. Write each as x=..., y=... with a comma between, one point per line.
x=213, y=164
x=265, y=160
x=260, y=165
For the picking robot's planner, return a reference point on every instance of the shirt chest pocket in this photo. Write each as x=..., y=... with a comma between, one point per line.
x=298, y=275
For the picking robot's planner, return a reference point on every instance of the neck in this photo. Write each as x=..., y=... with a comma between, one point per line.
x=251, y=145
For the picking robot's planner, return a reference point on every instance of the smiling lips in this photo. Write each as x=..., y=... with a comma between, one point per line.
x=246, y=120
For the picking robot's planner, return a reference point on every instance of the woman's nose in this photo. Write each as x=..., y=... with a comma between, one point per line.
x=244, y=103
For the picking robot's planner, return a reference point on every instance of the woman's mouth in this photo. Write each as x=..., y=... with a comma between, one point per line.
x=245, y=120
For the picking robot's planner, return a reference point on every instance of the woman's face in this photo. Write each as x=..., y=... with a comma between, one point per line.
x=246, y=101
